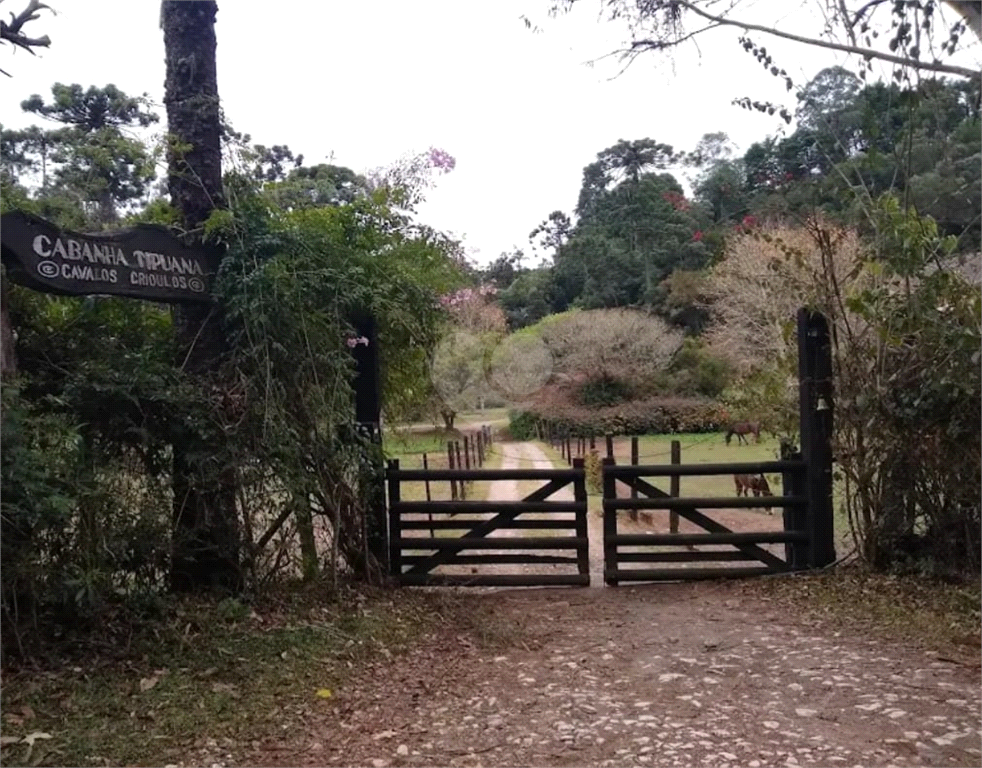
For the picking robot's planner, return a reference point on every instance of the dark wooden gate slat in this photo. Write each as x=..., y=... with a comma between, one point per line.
x=695, y=516
x=457, y=543
x=686, y=574
x=446, y=557
x=495, y=580
x=457, y=507
x=518, y=558
x=460, y=524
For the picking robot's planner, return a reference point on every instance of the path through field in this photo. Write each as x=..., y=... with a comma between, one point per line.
x=515, y=455
x=704, y=674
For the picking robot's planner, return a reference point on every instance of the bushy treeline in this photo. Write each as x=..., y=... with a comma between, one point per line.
x=100, y=395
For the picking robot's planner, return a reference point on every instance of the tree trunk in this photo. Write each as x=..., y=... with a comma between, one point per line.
x=308, y=542
x=8, y=355
x=206, y=529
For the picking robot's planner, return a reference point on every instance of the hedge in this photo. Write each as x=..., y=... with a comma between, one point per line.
x=640, y=417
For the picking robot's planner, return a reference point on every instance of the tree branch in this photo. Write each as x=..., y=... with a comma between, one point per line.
x=11, y=32
x=867, y=53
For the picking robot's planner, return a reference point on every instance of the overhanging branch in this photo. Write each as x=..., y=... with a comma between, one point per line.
x=867, y=53
x=11, y=32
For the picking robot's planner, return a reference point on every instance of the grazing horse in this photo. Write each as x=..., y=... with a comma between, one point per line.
x=742, y=428
x=756, y=483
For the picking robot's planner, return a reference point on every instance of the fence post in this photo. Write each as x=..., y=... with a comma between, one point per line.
x=461, y=484
x=610, y=525
x=395, y=529
x=467, y=453
x=582, y=523
x=480, y=449
x=569, y=451
x=633, y=513
x=610, y=445
x=815, y=410
x=450, y=465
x=426, y=483
x=673, y=516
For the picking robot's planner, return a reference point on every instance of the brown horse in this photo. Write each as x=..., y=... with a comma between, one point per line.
x=756, y=483
x=741, y=429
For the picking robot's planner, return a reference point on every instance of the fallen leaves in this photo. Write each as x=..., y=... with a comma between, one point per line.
x=29, y=739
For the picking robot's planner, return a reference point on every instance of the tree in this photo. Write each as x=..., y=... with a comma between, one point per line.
x=828, y=95
x=721, y=189
x=459, y=362
x=529, y=298
x=87, y=158
x=552, y=232
x=754, y=292
x=710, y=149
x=312, y=186
x=504, y=270
x=610, y=350
x=91, y=110
x=206, y=535
x=635, y=226
x=625, y=160
x=662, y=25
x=919, y=141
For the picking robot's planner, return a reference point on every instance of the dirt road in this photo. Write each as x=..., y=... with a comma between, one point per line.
x=515, y=455
x=662, y=675
x=667, y=675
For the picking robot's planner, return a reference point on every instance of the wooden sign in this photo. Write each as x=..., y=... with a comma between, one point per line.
x=143, y=262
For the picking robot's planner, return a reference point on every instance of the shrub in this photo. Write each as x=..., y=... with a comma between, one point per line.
x=594, y=471
x=639, y=417
x=603, y=390
x=521, y=425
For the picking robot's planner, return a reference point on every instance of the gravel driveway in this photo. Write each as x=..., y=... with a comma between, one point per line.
x=662, y=675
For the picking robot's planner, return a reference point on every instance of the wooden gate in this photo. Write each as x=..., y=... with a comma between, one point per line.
x=739, y=546
x=460, y=535
x=807, y=532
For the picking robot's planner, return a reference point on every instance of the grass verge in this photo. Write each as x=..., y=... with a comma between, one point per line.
x=205, y=684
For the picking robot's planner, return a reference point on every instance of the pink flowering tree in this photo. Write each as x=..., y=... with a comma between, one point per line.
x=458, y=367
x=410, y=176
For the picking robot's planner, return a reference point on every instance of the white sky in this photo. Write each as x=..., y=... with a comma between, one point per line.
x=371, y=80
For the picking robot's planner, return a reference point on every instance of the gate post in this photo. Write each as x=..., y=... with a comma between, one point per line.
x=794, y=518
x=395, y=529
x=815, y=410
x=367, y=385
x=582, y=522
x=673, y=515
x=610, y=525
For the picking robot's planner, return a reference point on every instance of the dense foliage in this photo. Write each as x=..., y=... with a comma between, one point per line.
x=555, y=415
x=801, y=219
x=100, y=395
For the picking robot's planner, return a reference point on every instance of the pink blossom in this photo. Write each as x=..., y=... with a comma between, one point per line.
x=354, y=341
x=676, y=200
x=442, y=159
x=697, y=236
